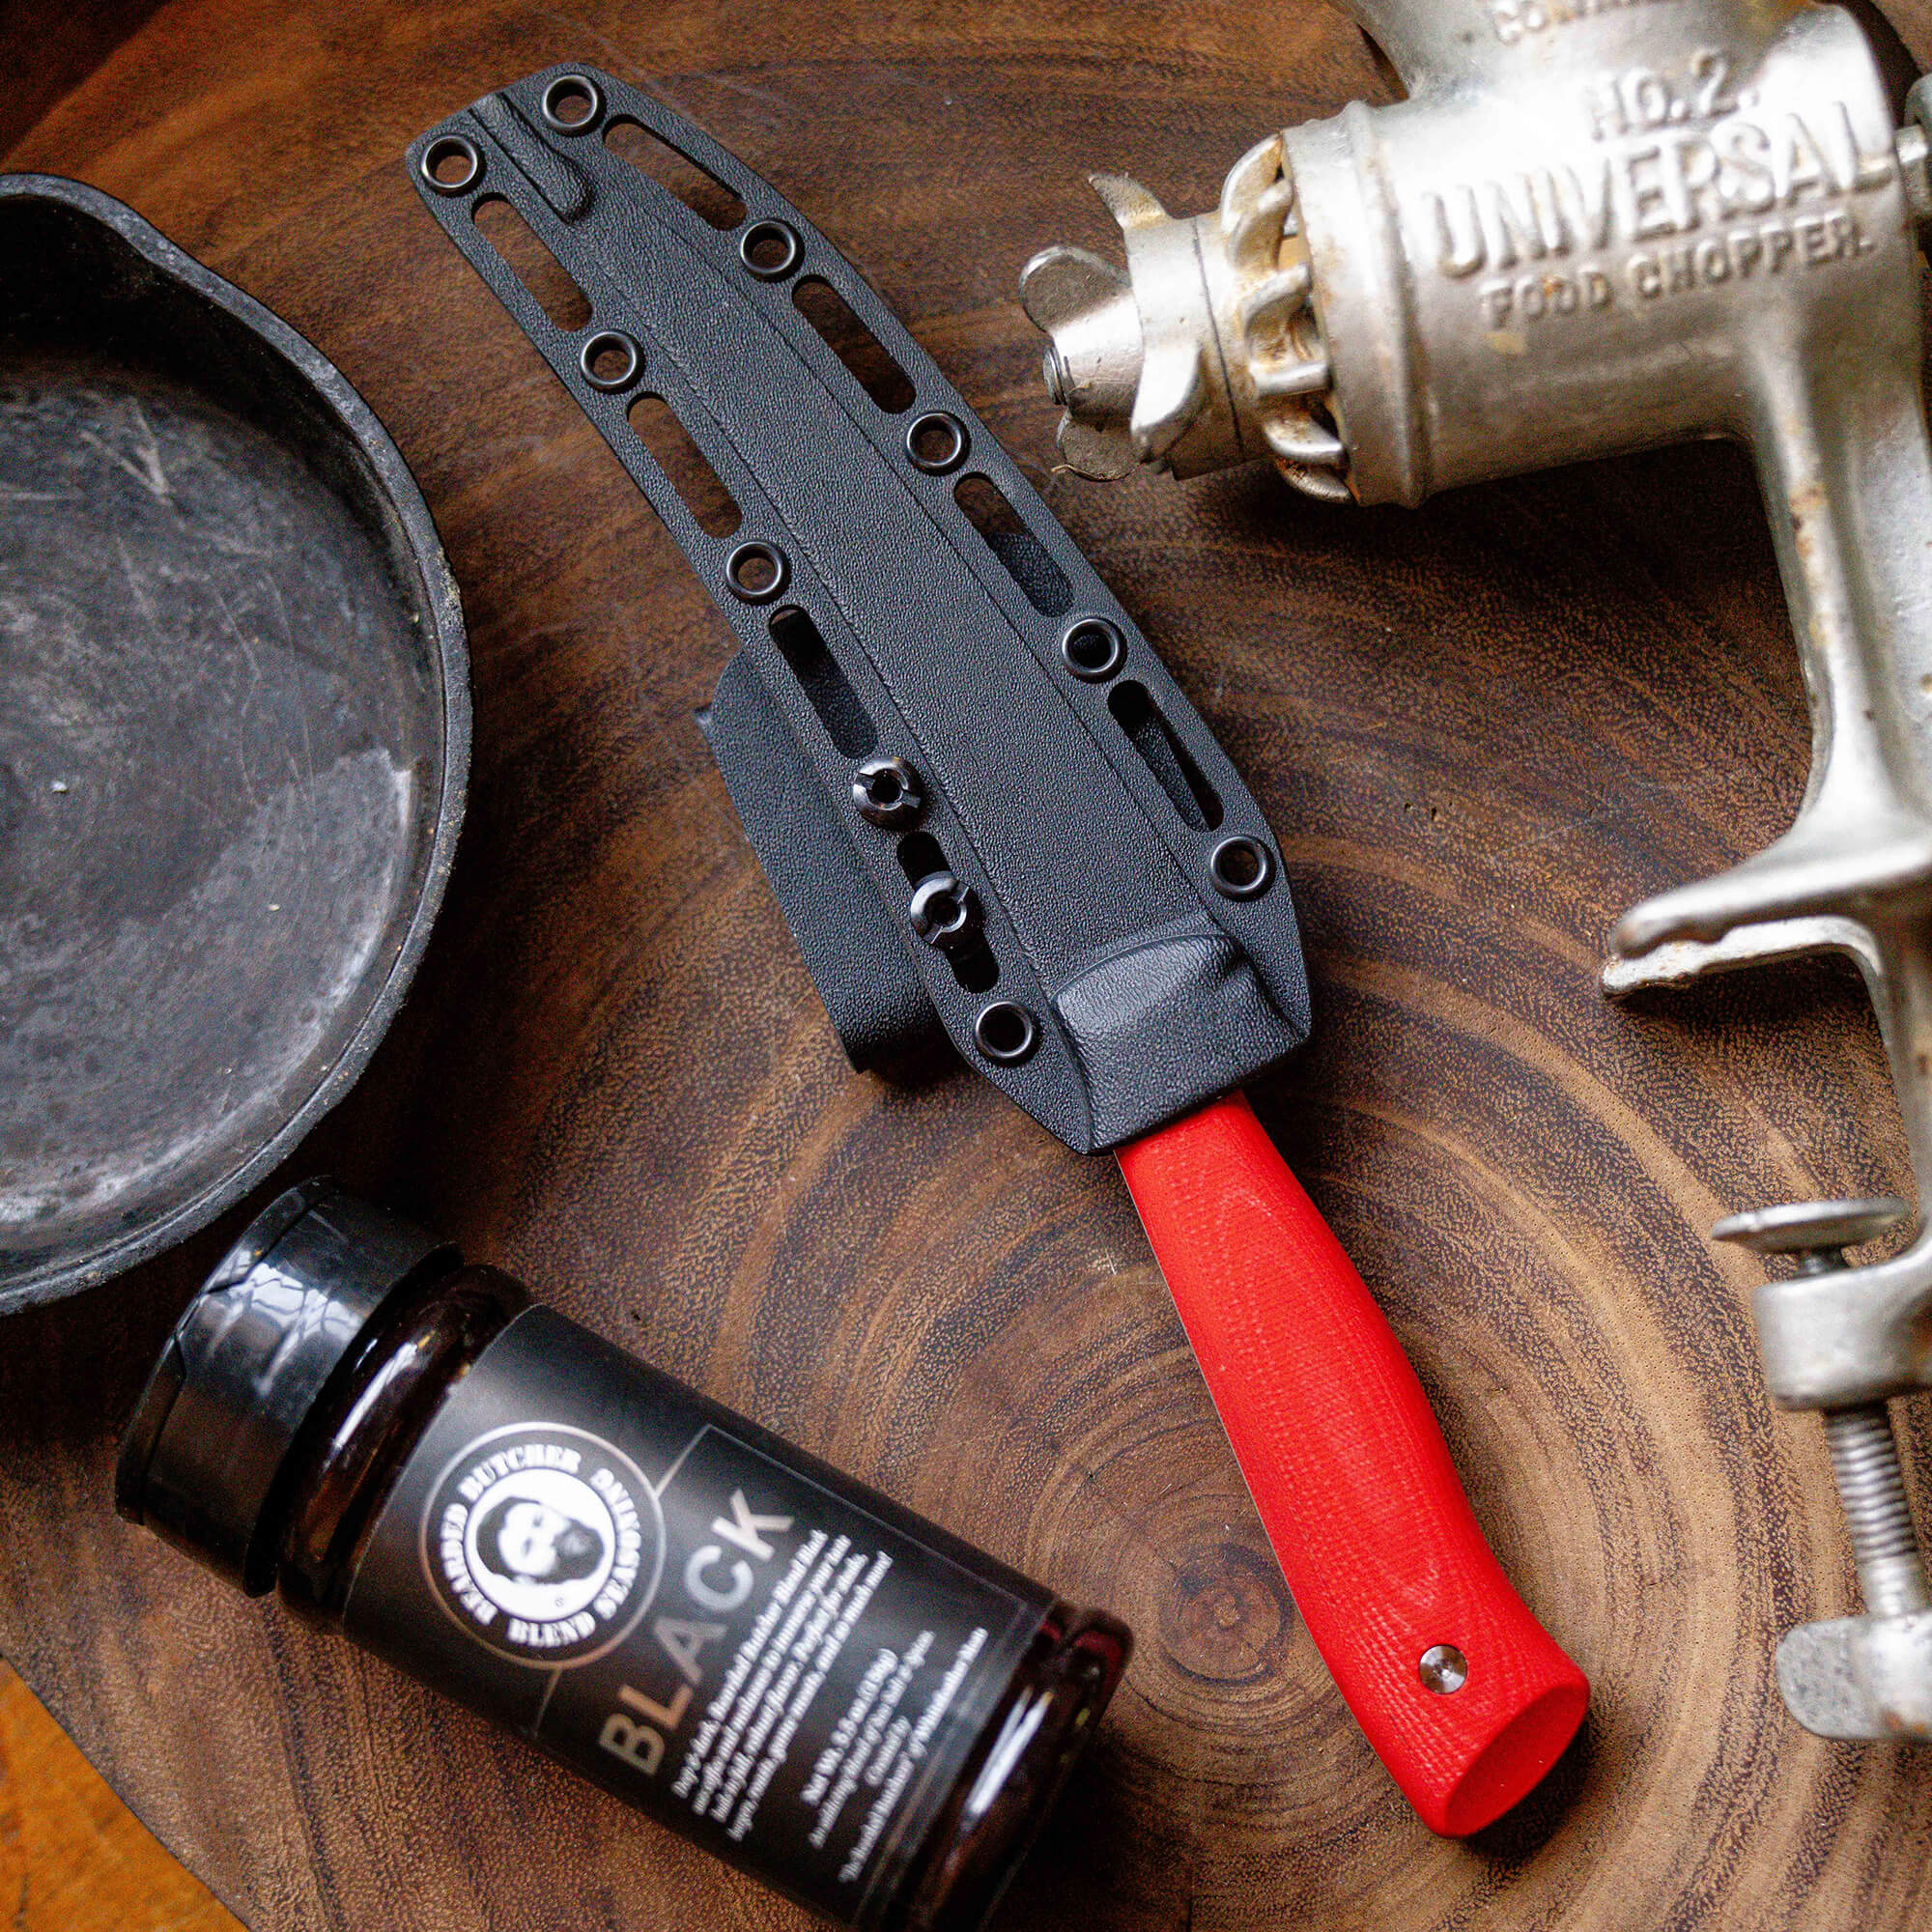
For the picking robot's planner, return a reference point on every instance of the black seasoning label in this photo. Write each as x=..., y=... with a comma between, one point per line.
x=781, y=1665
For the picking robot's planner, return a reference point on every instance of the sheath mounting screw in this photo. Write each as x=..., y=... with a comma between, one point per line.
x=1093, y=649
x=889, y=792
x=1443, y=1670
x=572, y=103
x=945, y=913
x=771, y=250
x=757, y=571
x=452, y=164
x=611, y=360
x=936, y=442
x=1007, y=1033
x=1241, y=868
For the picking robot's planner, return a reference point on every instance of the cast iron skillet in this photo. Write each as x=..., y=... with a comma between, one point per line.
x=234, y=738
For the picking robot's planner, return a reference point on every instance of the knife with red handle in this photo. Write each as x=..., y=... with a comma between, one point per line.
x=1465, y=1697
x=991, y=816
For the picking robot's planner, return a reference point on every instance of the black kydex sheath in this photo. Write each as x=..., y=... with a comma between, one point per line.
x=785, y=1666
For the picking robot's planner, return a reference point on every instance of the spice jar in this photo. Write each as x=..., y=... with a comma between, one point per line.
x=781, y=1665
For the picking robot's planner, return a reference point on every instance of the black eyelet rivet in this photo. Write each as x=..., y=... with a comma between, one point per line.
x=747, y=554
x=452, y=148
x=1093, y=649
x=568, y=87
x=602, y=344
x=1241, y=868
x=1005, y=1034
x=945, y=913
x=791, y=250
x=933, y=424
x=889, y=792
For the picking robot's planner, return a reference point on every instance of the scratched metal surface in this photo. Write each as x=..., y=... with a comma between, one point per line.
x=214, y=732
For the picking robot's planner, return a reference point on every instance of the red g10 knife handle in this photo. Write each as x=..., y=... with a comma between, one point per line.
x=1351, y=1476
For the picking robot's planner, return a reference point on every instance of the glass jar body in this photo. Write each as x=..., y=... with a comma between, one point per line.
x=362, y=1487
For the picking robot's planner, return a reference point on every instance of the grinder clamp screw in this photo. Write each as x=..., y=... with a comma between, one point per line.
x=1869, y=1676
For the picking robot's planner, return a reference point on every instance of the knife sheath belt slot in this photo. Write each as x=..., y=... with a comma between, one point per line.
x=899, y=591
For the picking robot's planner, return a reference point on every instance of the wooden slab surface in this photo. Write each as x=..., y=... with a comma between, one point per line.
x=1482, y=730
x=72, y=1857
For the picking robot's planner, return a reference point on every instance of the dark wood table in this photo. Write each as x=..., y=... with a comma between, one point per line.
x=1481, y=730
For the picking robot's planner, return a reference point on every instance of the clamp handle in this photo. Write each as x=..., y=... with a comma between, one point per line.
x=1465, y=1697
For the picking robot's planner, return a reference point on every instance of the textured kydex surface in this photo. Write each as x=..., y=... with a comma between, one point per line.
x=233, y=739
x=1050, y=865
x=1482, y=729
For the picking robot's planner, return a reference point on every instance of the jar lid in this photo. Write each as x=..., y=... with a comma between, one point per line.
x=247, y=1363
